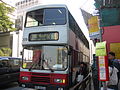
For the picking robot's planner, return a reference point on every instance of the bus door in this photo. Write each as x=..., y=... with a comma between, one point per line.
x=73, y=58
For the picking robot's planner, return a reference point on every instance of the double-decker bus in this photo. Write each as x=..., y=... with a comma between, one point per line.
x=53, y=46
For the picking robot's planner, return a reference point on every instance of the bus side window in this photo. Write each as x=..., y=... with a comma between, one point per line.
x=71, y=22
x=75, y=59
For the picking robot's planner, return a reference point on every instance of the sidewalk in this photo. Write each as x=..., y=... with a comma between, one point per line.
x=92, y=86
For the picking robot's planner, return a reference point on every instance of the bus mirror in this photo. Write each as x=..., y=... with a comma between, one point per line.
x=21, y=53
x=70, y=51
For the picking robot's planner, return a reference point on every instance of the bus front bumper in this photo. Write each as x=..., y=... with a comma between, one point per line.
x=43, y=87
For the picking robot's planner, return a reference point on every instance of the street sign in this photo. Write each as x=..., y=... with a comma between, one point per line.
x=103, y=68
x=102, y=61
x=94, y=31
x=101, y=49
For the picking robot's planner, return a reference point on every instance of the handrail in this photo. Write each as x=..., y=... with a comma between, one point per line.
x=80, y=83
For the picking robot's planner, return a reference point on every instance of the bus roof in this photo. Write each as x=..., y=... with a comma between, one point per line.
x=46, y=6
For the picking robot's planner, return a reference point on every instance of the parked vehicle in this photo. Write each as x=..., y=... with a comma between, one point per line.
x=9, y=69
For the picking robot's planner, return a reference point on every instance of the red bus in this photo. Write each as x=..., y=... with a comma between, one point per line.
x=53, y=46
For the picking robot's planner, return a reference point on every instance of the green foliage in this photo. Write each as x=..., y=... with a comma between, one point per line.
x=5, y=22
x=5, y=52
x=1, y=53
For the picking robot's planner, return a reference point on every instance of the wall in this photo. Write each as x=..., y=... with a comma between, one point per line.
x=111, y=34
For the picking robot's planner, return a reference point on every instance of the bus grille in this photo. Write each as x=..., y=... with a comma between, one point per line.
x=41, y=78
x=40, y=74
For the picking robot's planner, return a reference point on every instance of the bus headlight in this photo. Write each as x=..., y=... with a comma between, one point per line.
x=25, y=78
x=59, y=80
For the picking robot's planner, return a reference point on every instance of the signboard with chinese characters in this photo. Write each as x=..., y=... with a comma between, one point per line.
x=101, y=49
x=103, y=68
x=94, y=31
x=102, y=61
x=44, y=36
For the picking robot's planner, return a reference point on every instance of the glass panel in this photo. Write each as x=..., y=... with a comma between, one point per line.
x=55, y=16
x=34, y=18
x=45, y=57
x=32, y=57
x=51, y=16
x=57, y=59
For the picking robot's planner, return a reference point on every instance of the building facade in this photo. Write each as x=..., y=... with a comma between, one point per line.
x=21, y=8
x=12, y=40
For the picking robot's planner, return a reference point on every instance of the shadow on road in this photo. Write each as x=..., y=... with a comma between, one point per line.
x=10, y=85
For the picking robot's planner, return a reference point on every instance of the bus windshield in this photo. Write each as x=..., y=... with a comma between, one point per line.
x=45, y=57
x=47, y=16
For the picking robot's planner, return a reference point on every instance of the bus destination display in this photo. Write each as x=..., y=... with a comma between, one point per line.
x=43, y=36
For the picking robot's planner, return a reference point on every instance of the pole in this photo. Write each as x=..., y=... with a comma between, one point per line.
x=104, y=86
x=104, y=82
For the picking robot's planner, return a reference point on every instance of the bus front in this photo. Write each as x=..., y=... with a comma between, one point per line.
x=45, y=49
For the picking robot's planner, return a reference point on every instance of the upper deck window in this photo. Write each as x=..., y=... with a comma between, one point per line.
x=34, y=18
x=54, y=16
x=48, y=16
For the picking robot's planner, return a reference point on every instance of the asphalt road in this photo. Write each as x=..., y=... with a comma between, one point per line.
x=13, y=86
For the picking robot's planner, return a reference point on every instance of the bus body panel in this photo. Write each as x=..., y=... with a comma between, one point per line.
x=61, y=29
x=45, y=71
x=44, y=80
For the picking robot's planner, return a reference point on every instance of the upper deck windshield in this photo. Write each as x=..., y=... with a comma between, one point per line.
x=47, y=16
x=45, y=57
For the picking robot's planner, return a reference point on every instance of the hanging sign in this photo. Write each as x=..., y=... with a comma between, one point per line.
x=101, y=49
x=103, y=68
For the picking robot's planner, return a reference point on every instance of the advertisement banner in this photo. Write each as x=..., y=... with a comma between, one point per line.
x=115, y=47
x=93, y=27
x=101, y=49
x=103, y=68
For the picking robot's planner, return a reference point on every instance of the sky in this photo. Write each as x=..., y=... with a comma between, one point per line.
x=84, y=4
x=73, y=5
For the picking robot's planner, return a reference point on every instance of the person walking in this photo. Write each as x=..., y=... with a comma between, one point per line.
x=114, y=67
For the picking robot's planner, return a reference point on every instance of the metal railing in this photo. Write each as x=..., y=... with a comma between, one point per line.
x=84, y=84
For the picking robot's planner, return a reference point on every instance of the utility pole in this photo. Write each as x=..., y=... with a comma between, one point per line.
x=104, y=82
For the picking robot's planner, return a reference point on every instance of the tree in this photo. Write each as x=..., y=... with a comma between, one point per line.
x=5, y=23
x=5, y=52
x=1, y=53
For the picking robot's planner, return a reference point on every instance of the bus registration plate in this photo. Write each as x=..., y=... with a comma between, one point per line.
x=40, y=87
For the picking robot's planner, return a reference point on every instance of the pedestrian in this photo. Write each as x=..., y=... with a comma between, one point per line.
x=95, y=72
x=113, y=71
x=83, y=71
x=114, y=62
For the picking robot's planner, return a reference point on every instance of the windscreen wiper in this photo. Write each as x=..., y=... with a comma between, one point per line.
x=34, y=64
x=48, y=66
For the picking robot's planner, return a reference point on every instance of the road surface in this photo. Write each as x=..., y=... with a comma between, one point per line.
x=13, y=86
